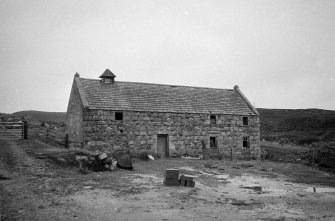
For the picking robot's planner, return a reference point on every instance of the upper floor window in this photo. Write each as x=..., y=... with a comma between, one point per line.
x=118, y=116
x=212, y=119
x=245, y=121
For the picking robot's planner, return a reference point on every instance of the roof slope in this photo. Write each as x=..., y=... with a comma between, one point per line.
x=131, y=96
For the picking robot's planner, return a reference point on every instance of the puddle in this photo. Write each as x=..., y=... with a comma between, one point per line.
x=321, y=190
x=199, y=171
x=234, y=184
x=222, y=176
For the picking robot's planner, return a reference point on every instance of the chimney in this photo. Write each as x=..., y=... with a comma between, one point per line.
x=107, y=77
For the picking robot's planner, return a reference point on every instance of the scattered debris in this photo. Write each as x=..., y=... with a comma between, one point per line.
x=83, y=170
x=191, y=158
x=239, y=203
x=245, y=165
x=256, y=189
x=97, y=163
x=246, y=205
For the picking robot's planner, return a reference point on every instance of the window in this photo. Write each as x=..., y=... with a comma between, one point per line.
x=107, y=80
x=212, y=119
x=212, y=142
x=118, y=116
x=245, y=121
x=246, y=142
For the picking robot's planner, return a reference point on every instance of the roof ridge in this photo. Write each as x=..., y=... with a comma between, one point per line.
x=171, y=85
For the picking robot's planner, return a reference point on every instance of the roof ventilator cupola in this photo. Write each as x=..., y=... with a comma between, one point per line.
x=107, y=77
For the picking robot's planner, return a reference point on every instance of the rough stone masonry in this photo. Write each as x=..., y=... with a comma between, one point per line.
x=130, y=116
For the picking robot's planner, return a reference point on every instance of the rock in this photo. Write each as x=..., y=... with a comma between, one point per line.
x=109, y=160
x=102, y=156
x=150, y=157
x=113, y=165
x=246, y=165
x=83, y=171
x=221, y=168
x=124, y=161
x=4, y=175
x=256, y=189
x=81, y=158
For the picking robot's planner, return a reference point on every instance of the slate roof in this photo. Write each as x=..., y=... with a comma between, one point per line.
x=132, y=96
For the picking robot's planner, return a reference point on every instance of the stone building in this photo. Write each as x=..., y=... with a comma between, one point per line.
x=108, y=115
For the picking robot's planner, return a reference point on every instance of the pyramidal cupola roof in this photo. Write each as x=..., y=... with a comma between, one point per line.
x=107, y=74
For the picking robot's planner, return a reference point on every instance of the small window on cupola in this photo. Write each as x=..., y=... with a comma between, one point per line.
x=107, y=77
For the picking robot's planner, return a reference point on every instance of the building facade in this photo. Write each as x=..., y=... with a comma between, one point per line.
x=106, y=115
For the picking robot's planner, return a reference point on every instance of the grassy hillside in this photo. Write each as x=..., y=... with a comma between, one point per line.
x=302, y=126
x=44, y=116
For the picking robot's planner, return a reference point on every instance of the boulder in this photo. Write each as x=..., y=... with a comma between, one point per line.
x=124, y=161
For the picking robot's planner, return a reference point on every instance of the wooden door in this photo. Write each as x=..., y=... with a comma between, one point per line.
x=162, y=146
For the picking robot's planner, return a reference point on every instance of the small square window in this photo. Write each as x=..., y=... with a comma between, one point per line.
x=212, y=119
x=245, y=121
x=107, y=80
x=212, y=142
x=246, y=142
x=118, y=116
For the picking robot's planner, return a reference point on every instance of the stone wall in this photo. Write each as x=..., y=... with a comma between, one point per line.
x=10, y=118
x=138, y=131
x=74, y=116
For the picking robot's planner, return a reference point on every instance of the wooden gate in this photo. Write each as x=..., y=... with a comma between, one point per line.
x=12, y=130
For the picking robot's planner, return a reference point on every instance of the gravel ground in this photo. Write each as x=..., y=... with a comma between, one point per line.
x=38, y=189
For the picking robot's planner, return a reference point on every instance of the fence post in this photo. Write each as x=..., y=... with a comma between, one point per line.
x=313, y=159
x=263, y=154
x=66, y=141
x=25, y=129
x=47, y=135
x=231, y=153
x=285, y=156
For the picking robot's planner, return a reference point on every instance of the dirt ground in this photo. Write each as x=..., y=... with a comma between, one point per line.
x=33, y=188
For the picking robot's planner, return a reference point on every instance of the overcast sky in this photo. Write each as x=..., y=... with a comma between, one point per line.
x=281, y=53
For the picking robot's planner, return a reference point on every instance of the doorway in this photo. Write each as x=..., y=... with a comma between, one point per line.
x=162, y=146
